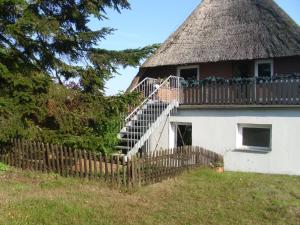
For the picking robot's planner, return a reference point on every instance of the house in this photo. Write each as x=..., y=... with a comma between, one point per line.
x=227, y=80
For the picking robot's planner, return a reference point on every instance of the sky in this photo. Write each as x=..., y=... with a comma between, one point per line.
x=150, y=22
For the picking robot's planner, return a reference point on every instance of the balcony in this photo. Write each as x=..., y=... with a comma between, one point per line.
x=278, y=90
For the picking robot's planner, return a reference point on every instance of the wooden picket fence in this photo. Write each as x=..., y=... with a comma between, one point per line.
x=137, y=170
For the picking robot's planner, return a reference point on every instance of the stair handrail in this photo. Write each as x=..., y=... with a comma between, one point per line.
x=142, y=82
x=154, y=92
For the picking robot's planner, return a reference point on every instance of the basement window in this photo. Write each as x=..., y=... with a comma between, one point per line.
x=182, y=135
x=264, y=68
x=254, y=137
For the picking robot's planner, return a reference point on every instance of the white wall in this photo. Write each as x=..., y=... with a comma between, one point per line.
x=215, y=129
x=160, y=137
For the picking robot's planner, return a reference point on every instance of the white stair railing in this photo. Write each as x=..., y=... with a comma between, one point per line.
x=139, y=124
x=146, y=86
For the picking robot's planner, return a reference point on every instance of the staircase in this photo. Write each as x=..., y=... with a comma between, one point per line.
x=161, y=98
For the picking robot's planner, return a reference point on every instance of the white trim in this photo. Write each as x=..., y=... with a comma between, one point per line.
x=270, y=61
x=189, y=67
x=173, y=133
x=239, y=137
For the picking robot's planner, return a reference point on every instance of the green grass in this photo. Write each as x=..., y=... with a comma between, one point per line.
x=199, y=197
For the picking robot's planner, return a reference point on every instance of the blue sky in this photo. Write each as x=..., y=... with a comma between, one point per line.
x=150, y=22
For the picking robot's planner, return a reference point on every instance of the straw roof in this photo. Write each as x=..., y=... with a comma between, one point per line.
x=223, y=30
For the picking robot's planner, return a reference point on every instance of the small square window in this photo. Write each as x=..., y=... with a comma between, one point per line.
x=264, y=69
x=254, y=137
x=190, y=73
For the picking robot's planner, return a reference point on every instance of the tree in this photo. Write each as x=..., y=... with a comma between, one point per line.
x=53, y=37
x=43, y=44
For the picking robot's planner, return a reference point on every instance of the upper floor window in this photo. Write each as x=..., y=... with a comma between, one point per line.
x=188, y=72
x=264, y=68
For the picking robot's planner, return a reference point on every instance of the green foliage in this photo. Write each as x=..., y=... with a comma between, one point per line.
x=53, y=37
x=66, y=116
x=44, y=44
x=3, y=167
x=84, y=121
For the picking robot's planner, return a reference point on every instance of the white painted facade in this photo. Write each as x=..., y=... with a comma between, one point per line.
x=216, y=129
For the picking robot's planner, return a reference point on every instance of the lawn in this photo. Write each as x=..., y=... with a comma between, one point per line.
x=198, y=197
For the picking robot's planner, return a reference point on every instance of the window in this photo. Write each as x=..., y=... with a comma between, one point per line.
x=254, y=137
x=264, y=68
x=180, y=135
x=184, y=135
x=189, y=72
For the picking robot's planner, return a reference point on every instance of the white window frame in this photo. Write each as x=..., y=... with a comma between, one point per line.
x=270, y=61
x=173, y=133
x=179, y=68
x=239, y=139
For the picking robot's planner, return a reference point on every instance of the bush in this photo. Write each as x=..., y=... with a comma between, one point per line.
x=3, y=167
x=65, y=116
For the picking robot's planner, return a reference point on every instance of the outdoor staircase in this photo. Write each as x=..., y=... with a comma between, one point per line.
x=161, y=98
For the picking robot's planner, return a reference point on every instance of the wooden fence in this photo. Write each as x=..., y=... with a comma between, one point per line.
x=249, y=92
x=135, y=171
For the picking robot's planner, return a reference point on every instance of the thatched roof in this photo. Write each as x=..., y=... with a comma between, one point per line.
x=222, y=30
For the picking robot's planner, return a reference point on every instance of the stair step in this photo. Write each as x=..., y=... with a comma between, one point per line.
x=145, y=116
x=135, y=130
x=157, y=103
x=129, y=139
x=139, y=123
x=127, y=132
x=149, y=110
x=123, y=147
x=133, y=126
x=154, y=110
x=131, y=134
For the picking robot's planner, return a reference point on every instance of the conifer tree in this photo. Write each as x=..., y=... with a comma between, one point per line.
x=53, y=37
x=43, y=44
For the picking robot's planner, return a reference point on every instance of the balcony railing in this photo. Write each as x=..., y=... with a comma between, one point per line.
x=281, y=90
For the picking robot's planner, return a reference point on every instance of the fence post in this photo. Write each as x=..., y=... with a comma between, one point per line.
x=60, y=160
x=106, y=167
x=75, y=174
x=95, y=165
x=100, y=162
x=90, y=165
x=70, y=161
x=112, y=170
x=40, y=156
x=133, y=171
x=118, y=172
x=124, y=171
x=80, y=163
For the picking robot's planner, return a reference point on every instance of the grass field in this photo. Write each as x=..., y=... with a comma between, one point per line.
x=199, y=197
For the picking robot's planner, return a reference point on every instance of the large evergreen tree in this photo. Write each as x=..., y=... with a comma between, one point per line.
x=43, y=44
x=53, y=37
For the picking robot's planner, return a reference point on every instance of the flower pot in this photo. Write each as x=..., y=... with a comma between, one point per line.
x=219, y=169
